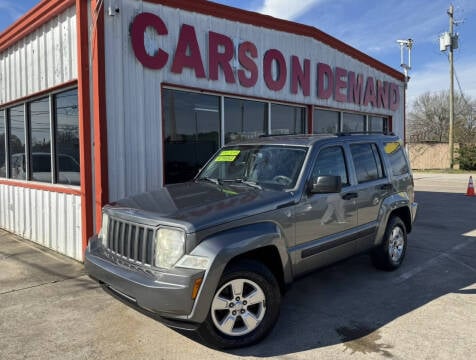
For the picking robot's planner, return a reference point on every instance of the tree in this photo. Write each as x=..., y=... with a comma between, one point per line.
x=429, y=118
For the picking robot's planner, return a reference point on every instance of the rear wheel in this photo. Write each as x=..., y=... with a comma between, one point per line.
x=390, y=254
x=245, y=306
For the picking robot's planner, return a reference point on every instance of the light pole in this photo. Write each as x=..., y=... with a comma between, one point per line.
x=406, y=68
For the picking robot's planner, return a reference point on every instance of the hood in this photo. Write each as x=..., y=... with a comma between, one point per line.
x=200, y=205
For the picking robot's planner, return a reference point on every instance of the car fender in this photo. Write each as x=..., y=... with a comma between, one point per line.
x=389, y=205
x=223, y=247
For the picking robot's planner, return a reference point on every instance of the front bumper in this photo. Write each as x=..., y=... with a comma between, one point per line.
x=165, y=293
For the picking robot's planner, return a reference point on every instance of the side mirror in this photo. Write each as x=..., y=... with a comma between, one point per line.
x=326, y=184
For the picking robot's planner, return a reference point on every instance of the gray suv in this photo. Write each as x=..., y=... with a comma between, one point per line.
x=216, y=254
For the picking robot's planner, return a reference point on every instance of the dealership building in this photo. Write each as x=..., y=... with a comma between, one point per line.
x=100, y=100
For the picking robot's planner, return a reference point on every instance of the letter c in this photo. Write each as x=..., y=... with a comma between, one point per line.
x=139, y=25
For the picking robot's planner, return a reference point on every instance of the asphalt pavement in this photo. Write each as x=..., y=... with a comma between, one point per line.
x=50, y=309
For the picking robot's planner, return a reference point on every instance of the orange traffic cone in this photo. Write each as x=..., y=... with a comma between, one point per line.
x=470, y=191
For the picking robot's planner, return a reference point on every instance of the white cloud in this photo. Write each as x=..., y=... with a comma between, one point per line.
x=434, y=77
x=285, y=9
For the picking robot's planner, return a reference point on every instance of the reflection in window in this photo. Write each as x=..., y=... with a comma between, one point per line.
x=192, y=132
x=331, y=161
x=353, y=122
x=397, y=158
x=377, y=124
x=367, y=162
x=287, y=119
x=325, y=122
x=40, y=140
x=67, y=137
x=245, y=119
x=3, y=167
x=16, y=142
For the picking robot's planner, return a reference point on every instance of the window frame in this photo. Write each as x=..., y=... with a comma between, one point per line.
x=26, y=105
x=376, y=156
x=344, y=156
x=268, y=121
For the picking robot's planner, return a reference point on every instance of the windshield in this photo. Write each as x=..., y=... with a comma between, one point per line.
x=272, y=166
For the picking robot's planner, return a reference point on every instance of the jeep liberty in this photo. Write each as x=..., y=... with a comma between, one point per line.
x=216, y=254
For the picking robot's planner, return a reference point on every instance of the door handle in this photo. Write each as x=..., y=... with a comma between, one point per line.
x=348, y=196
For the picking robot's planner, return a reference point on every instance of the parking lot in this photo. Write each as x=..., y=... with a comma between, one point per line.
x=49, y=308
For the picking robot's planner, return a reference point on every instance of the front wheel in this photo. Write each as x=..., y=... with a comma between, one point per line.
x=389, y=255
x=245, y=306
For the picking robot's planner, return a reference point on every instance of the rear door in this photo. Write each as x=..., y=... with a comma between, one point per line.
x=372, y=187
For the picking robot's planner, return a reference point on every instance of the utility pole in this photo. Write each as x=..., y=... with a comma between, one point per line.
x=449, y=41
x=452, y=101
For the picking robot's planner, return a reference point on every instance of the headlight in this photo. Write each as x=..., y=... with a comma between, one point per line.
x=104, y=229
x=170, y=246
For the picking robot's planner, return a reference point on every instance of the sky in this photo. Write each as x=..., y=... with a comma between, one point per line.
x=372, y=27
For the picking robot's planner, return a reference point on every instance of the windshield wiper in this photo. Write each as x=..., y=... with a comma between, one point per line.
x=246, y=182
x=209, y=179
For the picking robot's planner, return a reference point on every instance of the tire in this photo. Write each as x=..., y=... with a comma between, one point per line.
x=232, y=320
x=390, y=254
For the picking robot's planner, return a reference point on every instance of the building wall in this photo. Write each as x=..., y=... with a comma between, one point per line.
x=134, y=92
x=44, y=59
x=48, y=218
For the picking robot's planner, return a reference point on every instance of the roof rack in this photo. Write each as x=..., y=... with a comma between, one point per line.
x=272, y=135
x=347, y=133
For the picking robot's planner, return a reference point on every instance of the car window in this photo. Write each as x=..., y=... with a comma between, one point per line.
x=268, y=165
x=398, y=162
x=331, y=161
x=367, y=162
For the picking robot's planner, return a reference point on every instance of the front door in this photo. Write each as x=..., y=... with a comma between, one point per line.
x=323, y=219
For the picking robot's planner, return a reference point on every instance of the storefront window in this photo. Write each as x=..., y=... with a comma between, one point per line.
x=325, y=122
x=16, y=141
x=40, y=140
x=353, y=122
x=287, y=119
x=67, y=137
x=191, y=132
x=3, y=165
x=245, y=119
x=377, y=124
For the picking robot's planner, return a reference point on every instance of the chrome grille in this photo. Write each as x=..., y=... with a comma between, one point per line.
x=131, y=241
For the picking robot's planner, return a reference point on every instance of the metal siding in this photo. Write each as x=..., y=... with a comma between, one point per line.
x=134, y=118
x=47, y=218
x=43, y=59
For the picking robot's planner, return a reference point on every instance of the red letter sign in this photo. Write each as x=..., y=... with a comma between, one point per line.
x=340, y=84
x=324, y=72
x=300, y=76
x=188, y=41
x=270, y=56
x=216, y=58
x=246, y=61
x=140, y=23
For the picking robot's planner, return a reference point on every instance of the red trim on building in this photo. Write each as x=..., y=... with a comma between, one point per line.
x=40, y=186
x=100, y=119
x=269, y=22
x=84, y=107
x=32, y=20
